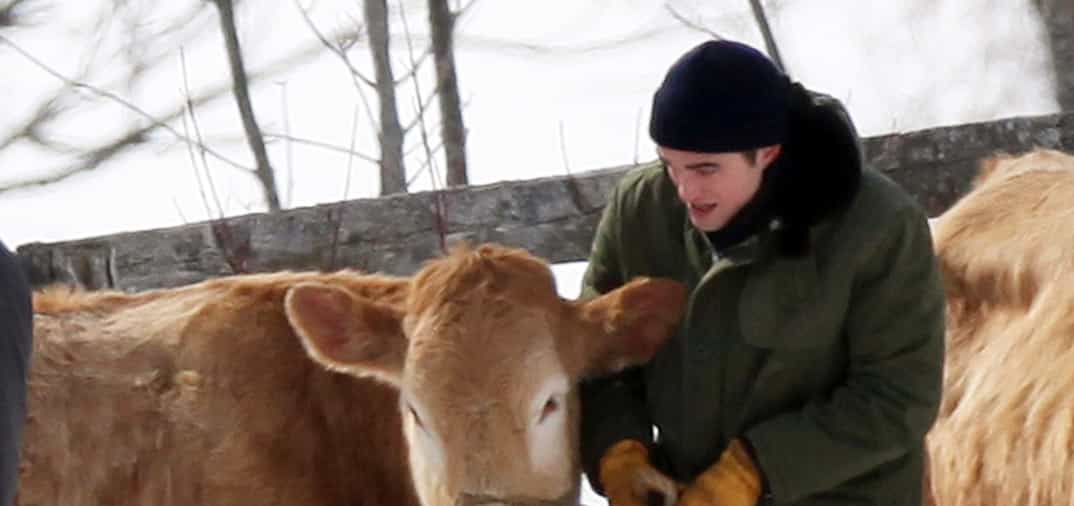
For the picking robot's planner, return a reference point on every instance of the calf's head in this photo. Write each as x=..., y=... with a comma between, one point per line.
x=487, y=358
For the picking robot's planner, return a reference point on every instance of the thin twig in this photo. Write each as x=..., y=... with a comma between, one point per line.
x=421, y=108
x=285, y=111
x=197, y=174
x=459, y=11
x=321, y=144
x=350, y=159
x=357, y=78
x=424, y=130
x=439, y=213
x=421, y=170
x=338, y=218
x=179, y=210
x=115, y=98
x=563, y=148
x=200, y=145
x=411, y=71
x=691, y=24
x=97, y=156
x=46, y=111
x=333, y=48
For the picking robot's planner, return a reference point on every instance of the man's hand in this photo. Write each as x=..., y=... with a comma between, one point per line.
x=732, y=481
x=629, y=478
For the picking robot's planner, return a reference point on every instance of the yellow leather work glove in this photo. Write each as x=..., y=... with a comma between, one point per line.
x=629, y=478
x=734, y=480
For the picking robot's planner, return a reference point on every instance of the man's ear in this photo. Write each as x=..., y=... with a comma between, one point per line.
x=631, y=323
x=768, y=154
x=347, y=333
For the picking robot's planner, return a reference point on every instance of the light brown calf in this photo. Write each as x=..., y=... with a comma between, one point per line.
x=207, y=394
x=1005, y=435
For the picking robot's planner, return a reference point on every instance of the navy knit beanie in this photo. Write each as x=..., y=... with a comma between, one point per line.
x=721, y=96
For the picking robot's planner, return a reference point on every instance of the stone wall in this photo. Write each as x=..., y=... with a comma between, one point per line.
x=552, y=217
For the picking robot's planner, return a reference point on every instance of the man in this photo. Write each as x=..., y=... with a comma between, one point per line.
x=16, y=326
x=807, y=369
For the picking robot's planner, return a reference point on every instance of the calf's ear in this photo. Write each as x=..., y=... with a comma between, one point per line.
x=630, y=323
x=347, y=333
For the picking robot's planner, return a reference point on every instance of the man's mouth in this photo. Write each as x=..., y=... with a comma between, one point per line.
x=702, y=208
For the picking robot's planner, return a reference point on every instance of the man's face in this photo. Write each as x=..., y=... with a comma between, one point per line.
x=715, y=186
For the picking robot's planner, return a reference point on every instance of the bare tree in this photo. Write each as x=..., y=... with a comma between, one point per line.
x=390, y=134
x=241, y=88
x=42, y=123
x=442, y=26
x=143, y=53
x=1058, y=19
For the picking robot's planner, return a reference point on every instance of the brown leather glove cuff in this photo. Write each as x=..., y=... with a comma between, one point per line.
x=622, y=458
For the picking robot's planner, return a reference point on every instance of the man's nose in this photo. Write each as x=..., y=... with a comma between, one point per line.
x=685, y=187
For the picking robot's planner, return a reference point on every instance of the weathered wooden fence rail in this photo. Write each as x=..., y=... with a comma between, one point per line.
x=552, y=217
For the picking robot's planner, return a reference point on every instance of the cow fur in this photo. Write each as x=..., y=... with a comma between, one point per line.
x=203, y=395
x=1005, y=432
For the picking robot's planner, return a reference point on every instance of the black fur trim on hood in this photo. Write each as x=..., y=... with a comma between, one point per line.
x=821, y=168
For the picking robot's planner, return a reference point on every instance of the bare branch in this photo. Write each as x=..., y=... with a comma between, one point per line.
x=338, y=50
x=425, y=165
x=320, y=144
x=421, y=111
x=420, y=104
x=92, y=157
x=440, y=211
x=46, y=111
x=115, y=98
x=416, y=65
x=498, y=44
x=87, y=162
x=459, y=12
x=285, y=111
x=350, y=159
x=690, y=24
x=357, y=78
x=241, y=89
x=338, y=216
x=197, y=175
x=563, y=148
x=766, y=31
x=201, y=145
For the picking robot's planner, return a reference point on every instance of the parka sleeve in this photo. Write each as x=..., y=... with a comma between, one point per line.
x=891, y=395
x=613, y=407
x=16, y=343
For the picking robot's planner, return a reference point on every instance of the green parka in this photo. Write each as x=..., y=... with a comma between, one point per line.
x=828, y=362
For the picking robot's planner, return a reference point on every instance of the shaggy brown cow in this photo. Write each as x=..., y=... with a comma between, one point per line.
x=204, y=395
x=1005, y=434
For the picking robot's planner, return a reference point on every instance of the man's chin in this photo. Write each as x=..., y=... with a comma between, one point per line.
x=706, y=225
